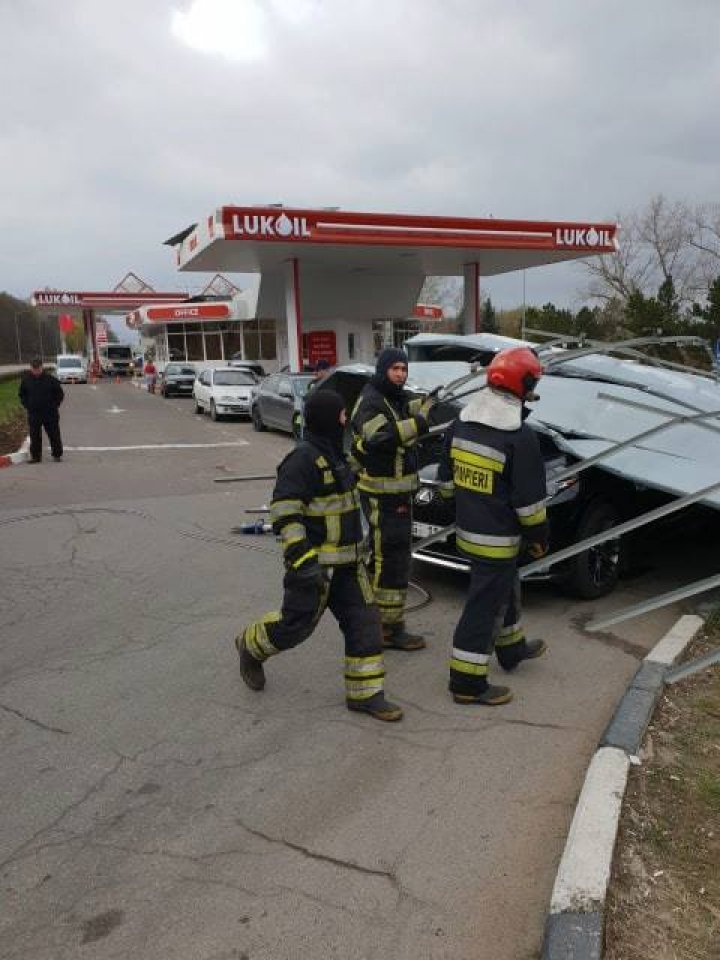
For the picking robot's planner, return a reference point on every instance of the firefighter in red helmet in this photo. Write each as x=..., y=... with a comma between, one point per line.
x=492, y=465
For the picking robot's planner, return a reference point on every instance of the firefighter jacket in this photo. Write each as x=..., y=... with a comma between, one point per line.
x=384, y=438
x=41, y=394
x=492, y=464
x=315, y=508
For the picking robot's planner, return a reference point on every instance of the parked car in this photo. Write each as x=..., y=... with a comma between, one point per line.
x=236, y=360
x=278, y=402
x=578, y=506
x=177, y=379
x=71, y=368
x=220, y=391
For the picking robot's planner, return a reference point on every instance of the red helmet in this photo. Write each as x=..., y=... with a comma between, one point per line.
x=517, y=370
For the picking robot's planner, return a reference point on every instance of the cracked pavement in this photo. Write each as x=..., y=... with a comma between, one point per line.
x=155, y=807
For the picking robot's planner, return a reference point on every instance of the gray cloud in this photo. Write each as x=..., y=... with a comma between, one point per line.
x=115, y=134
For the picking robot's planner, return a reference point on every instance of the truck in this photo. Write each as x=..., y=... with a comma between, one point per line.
x=116, y=358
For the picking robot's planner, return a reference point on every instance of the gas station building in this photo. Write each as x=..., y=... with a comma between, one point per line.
x=328, y=284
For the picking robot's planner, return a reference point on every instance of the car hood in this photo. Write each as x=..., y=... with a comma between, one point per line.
x=243, y=393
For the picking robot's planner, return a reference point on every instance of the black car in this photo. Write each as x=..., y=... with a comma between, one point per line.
x=578, y=506
x=177, y=380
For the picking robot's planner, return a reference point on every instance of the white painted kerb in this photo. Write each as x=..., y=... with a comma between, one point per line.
x=584, y=870
x=667, y=650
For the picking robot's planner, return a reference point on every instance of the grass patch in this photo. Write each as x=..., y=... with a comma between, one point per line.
x=13, y=423
x=664, y=896
x=10, y=406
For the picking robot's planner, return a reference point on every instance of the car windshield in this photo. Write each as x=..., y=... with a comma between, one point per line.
x=69, y=362
x=119, y=353
x=234, y=378
x=300, y=385
x=176, y=371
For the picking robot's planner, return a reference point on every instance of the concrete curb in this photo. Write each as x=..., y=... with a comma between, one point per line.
x=20, y=456
x=574, y=925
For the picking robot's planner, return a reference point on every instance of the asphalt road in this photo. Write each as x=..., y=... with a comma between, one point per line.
x=154, y=807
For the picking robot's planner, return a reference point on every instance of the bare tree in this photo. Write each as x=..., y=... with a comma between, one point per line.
x=706, y=239
x=656, y=244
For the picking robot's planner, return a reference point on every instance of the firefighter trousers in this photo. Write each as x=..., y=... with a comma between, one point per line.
x=390, y=519
x=489, y=622
x=348, y=595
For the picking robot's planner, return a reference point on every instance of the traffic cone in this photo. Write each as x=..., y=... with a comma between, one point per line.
x=117, y=378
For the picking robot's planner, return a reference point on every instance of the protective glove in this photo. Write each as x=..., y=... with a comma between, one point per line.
x=536, y=550
x=423, y=414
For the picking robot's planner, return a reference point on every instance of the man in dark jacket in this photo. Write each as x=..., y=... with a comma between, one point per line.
x=316, y=513
x=493, y=466
x=41, y=395
x=386, y=426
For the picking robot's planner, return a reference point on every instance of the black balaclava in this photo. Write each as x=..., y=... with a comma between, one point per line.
x=322, y=417
x=387, y=358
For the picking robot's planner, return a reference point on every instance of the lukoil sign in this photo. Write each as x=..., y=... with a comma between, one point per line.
x=271, y=226
x=58, y=299
x=583, y=237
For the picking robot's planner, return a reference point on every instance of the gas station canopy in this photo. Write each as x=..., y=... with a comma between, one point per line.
x=260, y=239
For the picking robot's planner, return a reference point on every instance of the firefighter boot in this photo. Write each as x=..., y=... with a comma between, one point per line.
x=396, y=637
x=377, y=706
x=491, y=696
x=251, y=669
x=510, y=657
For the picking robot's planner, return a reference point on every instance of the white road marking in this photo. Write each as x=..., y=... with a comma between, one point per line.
x=161, y=446
x=116, y=409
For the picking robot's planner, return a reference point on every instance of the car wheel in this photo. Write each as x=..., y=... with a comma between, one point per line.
x=595, y=572
x=257, y=420
x=214, y=415
x=198, y=408
x=297, y=426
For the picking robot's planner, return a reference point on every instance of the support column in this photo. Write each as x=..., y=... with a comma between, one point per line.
x=89, y=324
x=471, y=277
x=293, y=314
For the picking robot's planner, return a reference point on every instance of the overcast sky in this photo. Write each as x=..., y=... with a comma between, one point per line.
x=123, y=122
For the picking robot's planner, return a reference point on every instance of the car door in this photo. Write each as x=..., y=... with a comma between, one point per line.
x=202, y=389
x=285, y=404
x=268, y=400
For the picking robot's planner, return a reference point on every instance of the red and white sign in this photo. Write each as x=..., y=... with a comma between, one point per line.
x=101, y=331
x=321, y=345
x=406, y=230
x=191, y=311
x=423, y=311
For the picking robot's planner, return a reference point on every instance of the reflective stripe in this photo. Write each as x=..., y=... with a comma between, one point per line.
x=363, y=689
x=389, y=598
x=306, y=556
x=371, y=427
x=256, y=637
x=364, y=583
x=334, y=503
x=331, y=553
x=469, y=657
x=474, y=669
x=292, y=533
x=473, y=460
x=285, y=508
x=333, y=529
x=532, y=515
x=328, y=476
x=360, y=666
x=405, y=484
x=494, y=548
x=510, y=636
x=407, y=429
x=487, y=539
x=480, y=450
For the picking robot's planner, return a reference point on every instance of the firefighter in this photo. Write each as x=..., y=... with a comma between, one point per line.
x=316, y=513
x=386, y=426
x=492, y=465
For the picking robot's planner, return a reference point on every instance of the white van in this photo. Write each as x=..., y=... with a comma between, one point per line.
x=116, y=358
x=72, y=368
